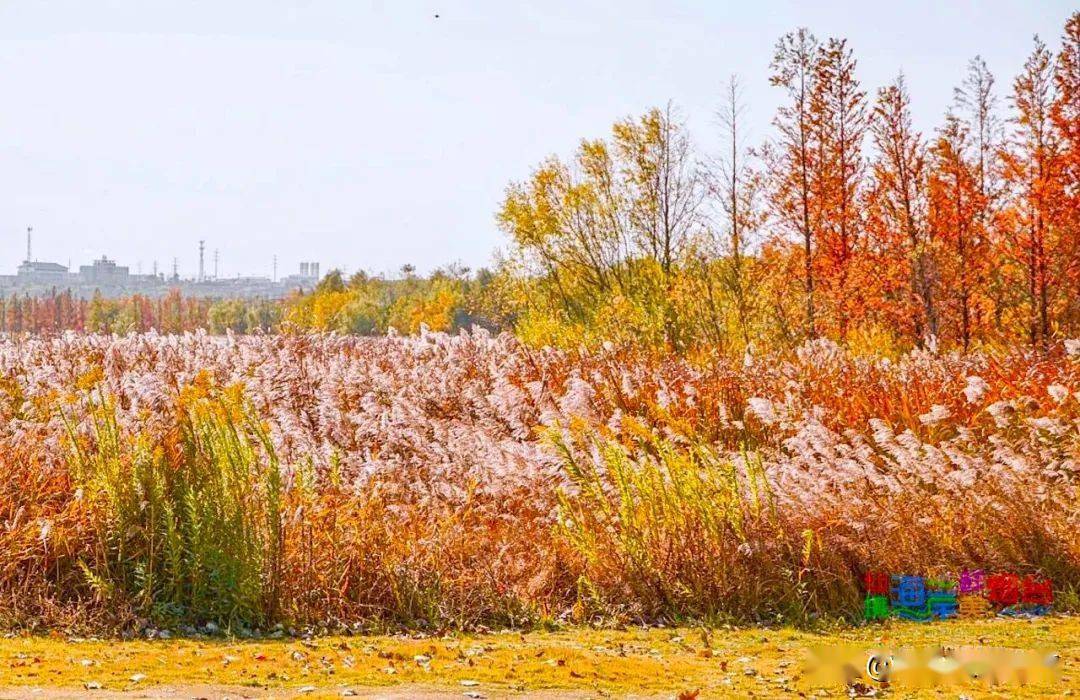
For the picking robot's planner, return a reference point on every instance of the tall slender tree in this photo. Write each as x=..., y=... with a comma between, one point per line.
x=975, y=104
x=899, y=200
x=838, y=113
x=952, y=205
x=734, y=186
x=1032, y=162
x=792, y=158
x=1065, y=116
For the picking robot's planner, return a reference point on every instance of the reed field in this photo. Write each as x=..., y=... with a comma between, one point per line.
x=435, y=482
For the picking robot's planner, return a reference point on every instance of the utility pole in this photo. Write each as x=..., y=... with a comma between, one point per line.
x=202, y=247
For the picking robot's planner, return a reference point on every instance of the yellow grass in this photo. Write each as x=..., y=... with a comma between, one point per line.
x=577, y=662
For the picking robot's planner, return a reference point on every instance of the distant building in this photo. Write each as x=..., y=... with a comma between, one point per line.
x=307, y=279
x=103, y=276
x=104, y=272
x=35, y=272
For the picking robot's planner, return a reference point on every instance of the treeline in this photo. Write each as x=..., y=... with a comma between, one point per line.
x=173, y=313
x=360, y=304
x=848, y=223
x=449, y=299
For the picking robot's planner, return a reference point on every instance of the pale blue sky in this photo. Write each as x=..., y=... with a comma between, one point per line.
x=370, y=134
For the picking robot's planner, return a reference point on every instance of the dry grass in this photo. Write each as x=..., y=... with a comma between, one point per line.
x=440, y=482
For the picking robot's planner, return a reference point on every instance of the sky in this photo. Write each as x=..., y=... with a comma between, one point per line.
x=367, y=134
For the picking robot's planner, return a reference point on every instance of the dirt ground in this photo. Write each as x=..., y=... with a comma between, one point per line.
x=573, y=663
x=220, y=692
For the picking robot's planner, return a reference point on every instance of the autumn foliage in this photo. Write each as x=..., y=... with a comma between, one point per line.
x=847, y=223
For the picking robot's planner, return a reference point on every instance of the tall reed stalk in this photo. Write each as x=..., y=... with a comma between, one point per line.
x=190, y=521
x=666, y=531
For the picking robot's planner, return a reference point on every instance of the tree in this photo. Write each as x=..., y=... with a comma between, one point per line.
x=228, y=315
x=952, y=194
x=605, y=235
x=663, y=184
x=170, y=312
x=791, y=159
x=15, y=316
x=102, y=315
x=332, y=282
x=664, y=193
x=734, y=186
x=570, y=225
x=899, y=202
x=1032, y=163
x=1065, y=117
x=975, y=105
x=838, y=114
